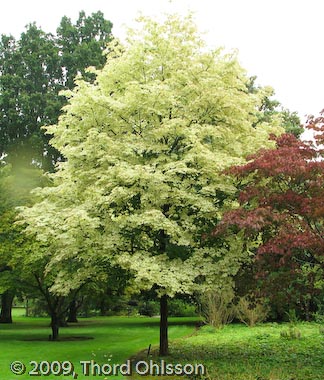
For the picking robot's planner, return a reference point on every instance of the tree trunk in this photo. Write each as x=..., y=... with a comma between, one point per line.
x=55, y=325
x=73, y=310
x=6, y=307
x=164, y=344
x=103, y=307
x=27, y=308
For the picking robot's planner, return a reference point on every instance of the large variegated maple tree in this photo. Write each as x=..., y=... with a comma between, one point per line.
x=144, y=148
x=281, y=205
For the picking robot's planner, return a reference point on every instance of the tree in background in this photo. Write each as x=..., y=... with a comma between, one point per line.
x=281, y=205
x=270, y=108
x=33, y=70
x=15, y=186
x=82, y=44
x=144, y=146
x=29, y=84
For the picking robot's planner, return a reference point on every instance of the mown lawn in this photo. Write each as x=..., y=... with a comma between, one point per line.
x=103, y=339
x=237, y=352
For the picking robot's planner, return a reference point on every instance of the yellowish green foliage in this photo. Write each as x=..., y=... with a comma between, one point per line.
x=144, y=147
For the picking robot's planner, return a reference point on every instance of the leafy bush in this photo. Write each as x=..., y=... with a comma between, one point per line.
x=291, y=333
x=181, y=308
x=149, y=308
x=251, y=311
x=292, y=316
x=36, y=308
x=216, y=307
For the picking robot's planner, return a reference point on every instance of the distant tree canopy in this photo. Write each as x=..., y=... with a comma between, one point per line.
x=33, y=70
x=270, y=108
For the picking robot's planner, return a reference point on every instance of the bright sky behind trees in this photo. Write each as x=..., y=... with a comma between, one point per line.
x=279, y=41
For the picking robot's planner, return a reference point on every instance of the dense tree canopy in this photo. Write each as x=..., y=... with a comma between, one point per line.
x=33, y=70
x=281, y=205
x=29, y=86
x=81, y=44
x=270, y=108
x=145, y=144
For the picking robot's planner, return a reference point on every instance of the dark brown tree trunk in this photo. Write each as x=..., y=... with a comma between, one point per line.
x=73, y=311
x=103, y=307
x=27, y=308
x=6, y=307
x=164, y=344
x=55, y=325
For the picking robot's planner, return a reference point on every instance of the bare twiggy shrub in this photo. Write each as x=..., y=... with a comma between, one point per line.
x=251, y=311
x=216, y=307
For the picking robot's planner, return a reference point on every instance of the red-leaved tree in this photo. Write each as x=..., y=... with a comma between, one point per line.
x=281, y=203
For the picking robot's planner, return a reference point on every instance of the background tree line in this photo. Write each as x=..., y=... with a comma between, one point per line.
x=34, y=69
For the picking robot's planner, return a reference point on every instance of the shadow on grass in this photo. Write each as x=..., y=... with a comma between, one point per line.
x=38, y=329
x=60, y=339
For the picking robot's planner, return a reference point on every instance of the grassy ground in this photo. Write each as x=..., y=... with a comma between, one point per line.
x=233, y=353
x=110, y=340
x=259, y=353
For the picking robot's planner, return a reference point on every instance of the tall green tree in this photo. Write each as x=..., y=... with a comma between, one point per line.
x=33, y=70
x=145, y=144
x=81, y=44
x=29, y=84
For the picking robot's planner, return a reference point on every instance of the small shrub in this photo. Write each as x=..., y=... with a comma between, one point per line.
x=251, y=311
x=292, y=316
x=181, y=308
x=36, y=308
x=216, y=307
x=291, y=333
x=149, y=309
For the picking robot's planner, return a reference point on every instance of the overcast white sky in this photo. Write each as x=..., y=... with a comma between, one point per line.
x=280, y=41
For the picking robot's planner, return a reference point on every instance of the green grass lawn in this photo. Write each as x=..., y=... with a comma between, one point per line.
x=237, y=352
x=110, y=340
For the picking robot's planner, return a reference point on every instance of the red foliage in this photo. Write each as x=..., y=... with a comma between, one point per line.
x=317, y=125
x=282, y=197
